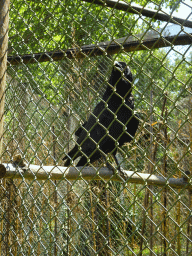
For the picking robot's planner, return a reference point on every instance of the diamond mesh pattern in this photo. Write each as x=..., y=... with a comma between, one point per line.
x=49, y=97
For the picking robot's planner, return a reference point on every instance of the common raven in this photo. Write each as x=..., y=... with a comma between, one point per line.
x=112, y=122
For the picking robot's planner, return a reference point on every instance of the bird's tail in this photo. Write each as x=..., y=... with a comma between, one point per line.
x=73, y=154
x=67, y=163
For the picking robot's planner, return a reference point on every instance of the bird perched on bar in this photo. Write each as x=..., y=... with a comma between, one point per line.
x=111, y=124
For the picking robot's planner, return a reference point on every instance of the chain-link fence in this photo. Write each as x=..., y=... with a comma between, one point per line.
x=106, y=86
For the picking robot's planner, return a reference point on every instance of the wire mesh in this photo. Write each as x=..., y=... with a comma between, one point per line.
x=47, y=101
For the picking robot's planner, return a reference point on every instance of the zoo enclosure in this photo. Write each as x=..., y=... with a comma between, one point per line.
x=60, y=57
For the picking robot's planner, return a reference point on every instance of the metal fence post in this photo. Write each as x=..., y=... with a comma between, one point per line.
x=4, y=23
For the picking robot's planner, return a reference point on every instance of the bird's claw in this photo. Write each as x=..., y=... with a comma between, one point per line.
x=114, y=170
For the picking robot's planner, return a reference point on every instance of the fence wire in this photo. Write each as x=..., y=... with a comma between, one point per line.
x=51, y=95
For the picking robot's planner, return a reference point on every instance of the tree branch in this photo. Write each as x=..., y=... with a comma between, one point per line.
x=139, y=10
x=157, y=15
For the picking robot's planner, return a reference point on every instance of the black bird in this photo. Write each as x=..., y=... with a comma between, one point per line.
x=112, y=122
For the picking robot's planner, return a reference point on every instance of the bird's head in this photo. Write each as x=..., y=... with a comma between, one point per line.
x=121, y=78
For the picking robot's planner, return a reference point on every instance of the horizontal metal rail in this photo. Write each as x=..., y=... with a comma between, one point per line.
x=89, y=173
x=110, y=48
